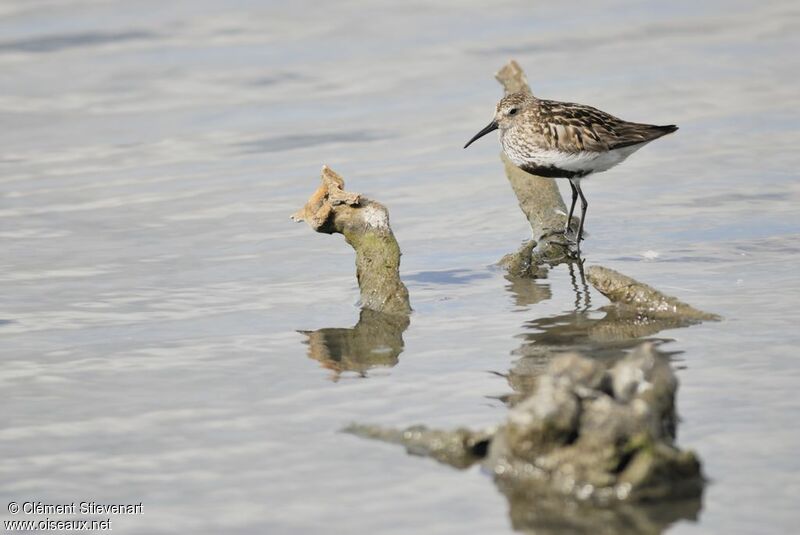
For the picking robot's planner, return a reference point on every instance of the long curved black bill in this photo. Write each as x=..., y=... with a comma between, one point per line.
x=489, y=128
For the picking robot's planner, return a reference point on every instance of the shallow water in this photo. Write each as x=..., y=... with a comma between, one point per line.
x=153, y=286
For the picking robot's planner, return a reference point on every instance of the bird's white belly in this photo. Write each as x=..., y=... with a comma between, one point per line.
x=579, y=162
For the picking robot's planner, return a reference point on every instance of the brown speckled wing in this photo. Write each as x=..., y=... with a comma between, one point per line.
x=574, y=128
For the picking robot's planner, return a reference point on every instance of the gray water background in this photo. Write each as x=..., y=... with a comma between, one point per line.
x=152, y=284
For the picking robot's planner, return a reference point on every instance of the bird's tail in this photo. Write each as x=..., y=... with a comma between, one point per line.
x=639, y=133
x=654, y=132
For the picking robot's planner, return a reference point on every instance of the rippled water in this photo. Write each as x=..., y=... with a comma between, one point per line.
x=154, y=291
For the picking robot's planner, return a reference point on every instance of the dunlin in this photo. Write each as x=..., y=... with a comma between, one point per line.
x=566, y=140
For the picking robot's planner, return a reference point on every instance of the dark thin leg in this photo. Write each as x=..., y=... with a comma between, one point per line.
x=584, y=206
x=572, y=206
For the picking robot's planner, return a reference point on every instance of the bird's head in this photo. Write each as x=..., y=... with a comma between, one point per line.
x=508, y=112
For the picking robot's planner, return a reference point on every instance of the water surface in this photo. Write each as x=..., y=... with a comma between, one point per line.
x=155, y=293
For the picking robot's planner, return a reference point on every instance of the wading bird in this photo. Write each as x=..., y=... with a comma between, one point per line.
x=566, y=140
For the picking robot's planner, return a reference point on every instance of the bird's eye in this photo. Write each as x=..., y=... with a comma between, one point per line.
x=512, y=111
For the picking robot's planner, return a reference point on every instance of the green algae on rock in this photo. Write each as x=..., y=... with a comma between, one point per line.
x=460, y=448
x=365, y=226
x=643, y=299
x=614, y=441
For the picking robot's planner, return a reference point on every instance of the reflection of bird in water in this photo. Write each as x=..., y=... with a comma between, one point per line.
x=605, y=333
x=566, y=140
x=376, y=340
x=607, y=338
x=583, y=291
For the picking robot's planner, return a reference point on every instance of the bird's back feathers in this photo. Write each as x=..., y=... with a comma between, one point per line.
x=570, y=127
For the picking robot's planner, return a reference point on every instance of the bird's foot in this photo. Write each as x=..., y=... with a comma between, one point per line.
x=564, y=238
x=553, y=233
x=566, y=244
x=556, y=237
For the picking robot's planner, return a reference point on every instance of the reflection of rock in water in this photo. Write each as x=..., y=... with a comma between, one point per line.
x=545, y=514
x=606, y=333
x=376, y=340
x=528, y=291
x=607, y=338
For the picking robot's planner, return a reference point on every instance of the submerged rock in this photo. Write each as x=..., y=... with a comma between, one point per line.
x=604, y=435
x=587, y=433
x=460, y=448
x=641, y=298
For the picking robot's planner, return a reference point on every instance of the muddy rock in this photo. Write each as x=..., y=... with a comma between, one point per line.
x=545, y=421
x=460, y=448
x=587, y=433
x=598, y=435
x=365, y=226
x=641, y=298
